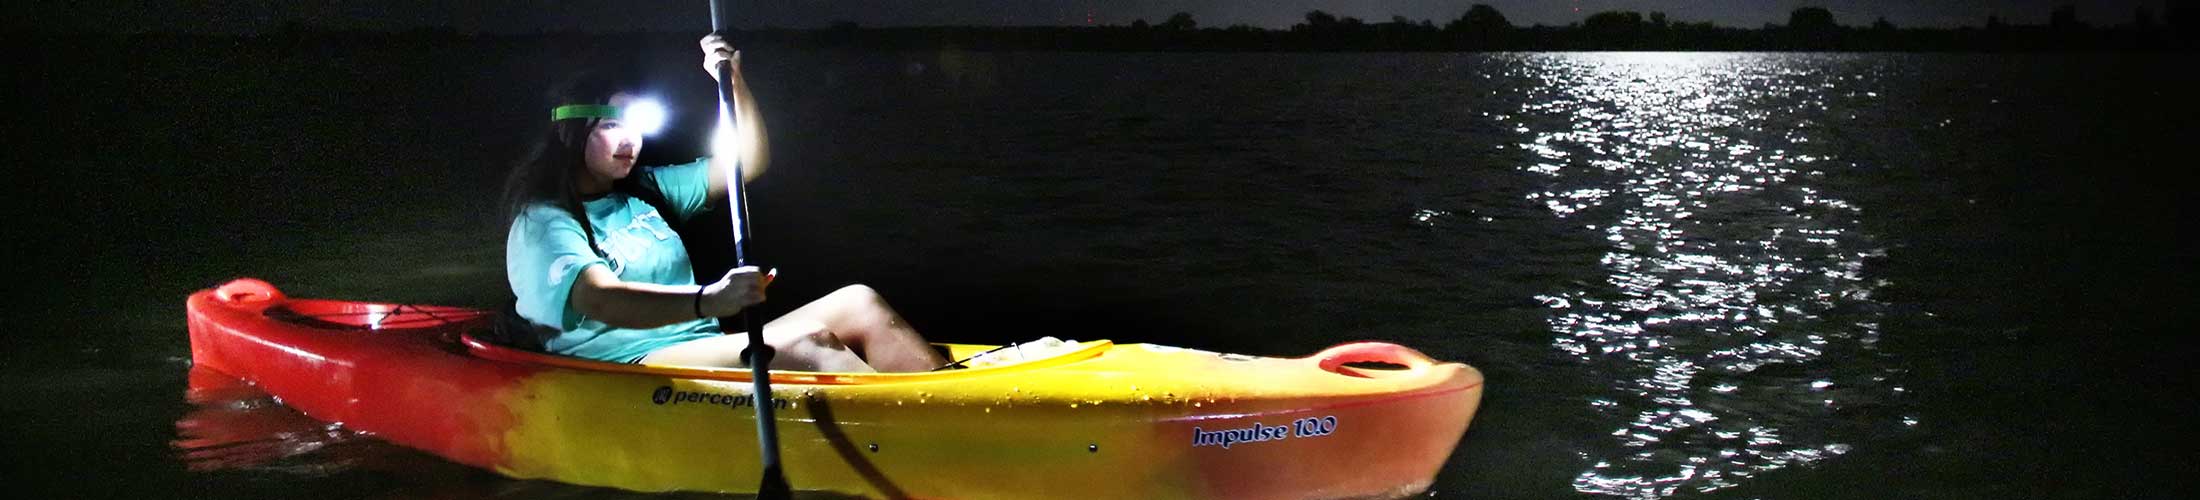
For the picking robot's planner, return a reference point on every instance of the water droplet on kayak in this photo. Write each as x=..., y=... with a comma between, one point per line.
x=1073, y=405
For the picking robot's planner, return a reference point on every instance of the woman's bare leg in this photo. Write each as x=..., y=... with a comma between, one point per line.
x=800, y=345
x=856, y=314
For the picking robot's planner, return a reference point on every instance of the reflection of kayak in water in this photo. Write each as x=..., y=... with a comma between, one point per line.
x=1090, y=420
x=235, y=426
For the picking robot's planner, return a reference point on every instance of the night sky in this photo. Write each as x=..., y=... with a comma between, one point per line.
x=513, y=16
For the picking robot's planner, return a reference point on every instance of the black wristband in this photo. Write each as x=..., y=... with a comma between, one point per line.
x=698, y=301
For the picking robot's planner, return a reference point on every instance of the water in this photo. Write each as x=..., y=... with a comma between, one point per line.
x=1690, y=275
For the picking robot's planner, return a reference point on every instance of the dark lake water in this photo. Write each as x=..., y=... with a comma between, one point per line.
x=1689, y=275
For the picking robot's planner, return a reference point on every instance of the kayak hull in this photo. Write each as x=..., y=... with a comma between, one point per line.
x=1099, y=421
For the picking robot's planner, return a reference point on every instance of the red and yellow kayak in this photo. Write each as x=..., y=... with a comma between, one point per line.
x=1099, y=420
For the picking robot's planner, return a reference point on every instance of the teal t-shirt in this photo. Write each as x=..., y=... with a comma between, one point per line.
x=546, y=250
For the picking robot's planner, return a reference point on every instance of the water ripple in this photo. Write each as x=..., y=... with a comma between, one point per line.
x=1732, y=281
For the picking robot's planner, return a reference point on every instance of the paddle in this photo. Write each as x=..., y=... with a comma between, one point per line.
x=758, y=354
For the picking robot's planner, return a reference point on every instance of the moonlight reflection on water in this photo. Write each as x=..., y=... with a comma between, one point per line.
x=1733, y=278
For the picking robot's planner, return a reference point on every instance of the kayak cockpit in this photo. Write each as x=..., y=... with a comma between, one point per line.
x=1083, y=351
x=247, y=295
x=342, y=315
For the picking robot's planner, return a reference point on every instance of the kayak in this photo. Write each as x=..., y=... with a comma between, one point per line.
x=1091, y=420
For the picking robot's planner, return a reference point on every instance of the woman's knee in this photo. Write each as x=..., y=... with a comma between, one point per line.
x=859, y=294
x=862, y=308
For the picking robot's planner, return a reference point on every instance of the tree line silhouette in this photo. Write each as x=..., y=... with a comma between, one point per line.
x=1480, y=28
x=1483, y=27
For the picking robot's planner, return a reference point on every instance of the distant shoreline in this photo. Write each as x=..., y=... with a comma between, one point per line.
x=1117, y=39
x=1480, y=29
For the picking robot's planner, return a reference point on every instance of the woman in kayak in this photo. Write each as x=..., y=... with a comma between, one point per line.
x=591, y=255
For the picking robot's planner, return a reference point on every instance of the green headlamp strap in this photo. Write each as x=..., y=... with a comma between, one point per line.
x=642, y=115
x=571, y=111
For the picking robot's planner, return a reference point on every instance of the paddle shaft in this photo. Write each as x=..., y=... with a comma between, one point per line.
x=759, y=354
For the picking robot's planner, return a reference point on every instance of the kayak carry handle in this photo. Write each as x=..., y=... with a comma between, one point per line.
x=1338, y=359
x=247, y=291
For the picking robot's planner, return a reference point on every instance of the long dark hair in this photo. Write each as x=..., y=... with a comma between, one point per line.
x=547, y=172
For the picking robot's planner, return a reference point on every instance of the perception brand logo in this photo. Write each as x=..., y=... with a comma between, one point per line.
x=666, y=396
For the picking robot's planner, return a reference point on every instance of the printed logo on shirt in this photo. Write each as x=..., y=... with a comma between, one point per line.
x=628, y=244
x=660, y=229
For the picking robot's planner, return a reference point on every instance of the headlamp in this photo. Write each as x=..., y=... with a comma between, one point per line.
x=645, y=116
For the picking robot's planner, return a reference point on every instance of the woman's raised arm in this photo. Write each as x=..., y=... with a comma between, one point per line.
x=746, y=141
